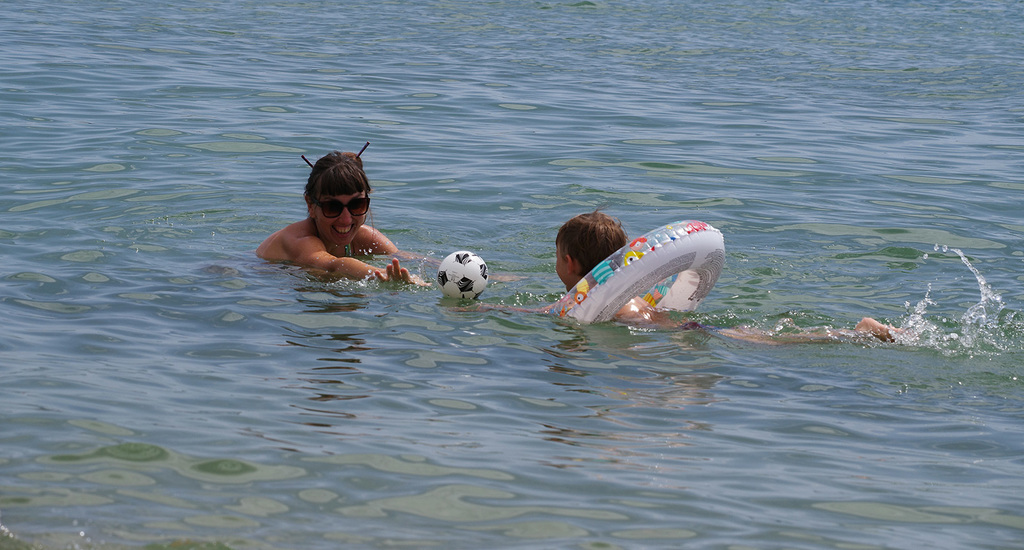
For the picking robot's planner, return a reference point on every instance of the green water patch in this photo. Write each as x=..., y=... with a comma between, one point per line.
x=187, y=545
x=461, y=503
x=131, y=452
x=410, y=465
x=8, y=542
x=902, y=258
x=125, y=455
x=950, y=515
x=923, y=235
x=225, y=467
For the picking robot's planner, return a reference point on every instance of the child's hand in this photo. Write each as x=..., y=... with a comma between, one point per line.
x=876, y=329
x=395, y=272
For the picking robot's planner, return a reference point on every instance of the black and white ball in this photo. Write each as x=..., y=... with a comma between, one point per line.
x=462, y=274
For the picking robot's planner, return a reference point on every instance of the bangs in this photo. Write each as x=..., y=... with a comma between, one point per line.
x=338, y=181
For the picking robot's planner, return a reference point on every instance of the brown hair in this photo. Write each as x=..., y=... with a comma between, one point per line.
x=590, y=238
x=337, y=173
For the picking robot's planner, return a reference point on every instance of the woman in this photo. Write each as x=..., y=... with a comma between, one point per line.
x=338, y=201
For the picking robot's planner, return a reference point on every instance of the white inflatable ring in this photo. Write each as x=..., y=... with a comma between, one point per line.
x=673, y=267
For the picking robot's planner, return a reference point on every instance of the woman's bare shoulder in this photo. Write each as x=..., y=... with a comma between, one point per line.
x=370, y=240
x=282, y=245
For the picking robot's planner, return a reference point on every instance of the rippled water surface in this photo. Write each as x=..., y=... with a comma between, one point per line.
x=162, y=387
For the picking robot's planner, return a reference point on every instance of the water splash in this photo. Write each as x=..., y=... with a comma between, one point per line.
x=986, y=328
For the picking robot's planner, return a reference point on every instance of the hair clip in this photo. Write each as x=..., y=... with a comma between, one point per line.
x=357, y=154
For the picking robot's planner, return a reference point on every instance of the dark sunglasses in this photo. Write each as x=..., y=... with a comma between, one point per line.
x=332, y=208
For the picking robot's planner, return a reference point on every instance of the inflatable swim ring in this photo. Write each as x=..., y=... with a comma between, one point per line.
x=672, y=267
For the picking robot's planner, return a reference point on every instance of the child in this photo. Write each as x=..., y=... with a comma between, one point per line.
x=338, y=201
x=585, y=240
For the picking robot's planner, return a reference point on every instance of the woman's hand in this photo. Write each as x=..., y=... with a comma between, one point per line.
x=395, y=272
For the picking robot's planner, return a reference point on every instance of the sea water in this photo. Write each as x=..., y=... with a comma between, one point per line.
x=160, y=386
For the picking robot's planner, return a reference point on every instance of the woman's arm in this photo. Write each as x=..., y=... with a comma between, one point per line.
x=295, y=244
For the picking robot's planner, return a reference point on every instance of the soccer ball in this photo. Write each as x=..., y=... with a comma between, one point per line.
x=462, y=275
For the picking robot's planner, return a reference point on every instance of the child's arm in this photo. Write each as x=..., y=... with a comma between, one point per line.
x=867, y=327
x=639, y=313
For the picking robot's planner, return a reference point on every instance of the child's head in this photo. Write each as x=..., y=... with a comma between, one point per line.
x=337, y=174
x=583, y=242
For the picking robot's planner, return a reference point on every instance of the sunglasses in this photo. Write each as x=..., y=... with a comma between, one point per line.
x=332, y=208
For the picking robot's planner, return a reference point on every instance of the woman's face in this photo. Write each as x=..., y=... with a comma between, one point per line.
x=339, y=230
